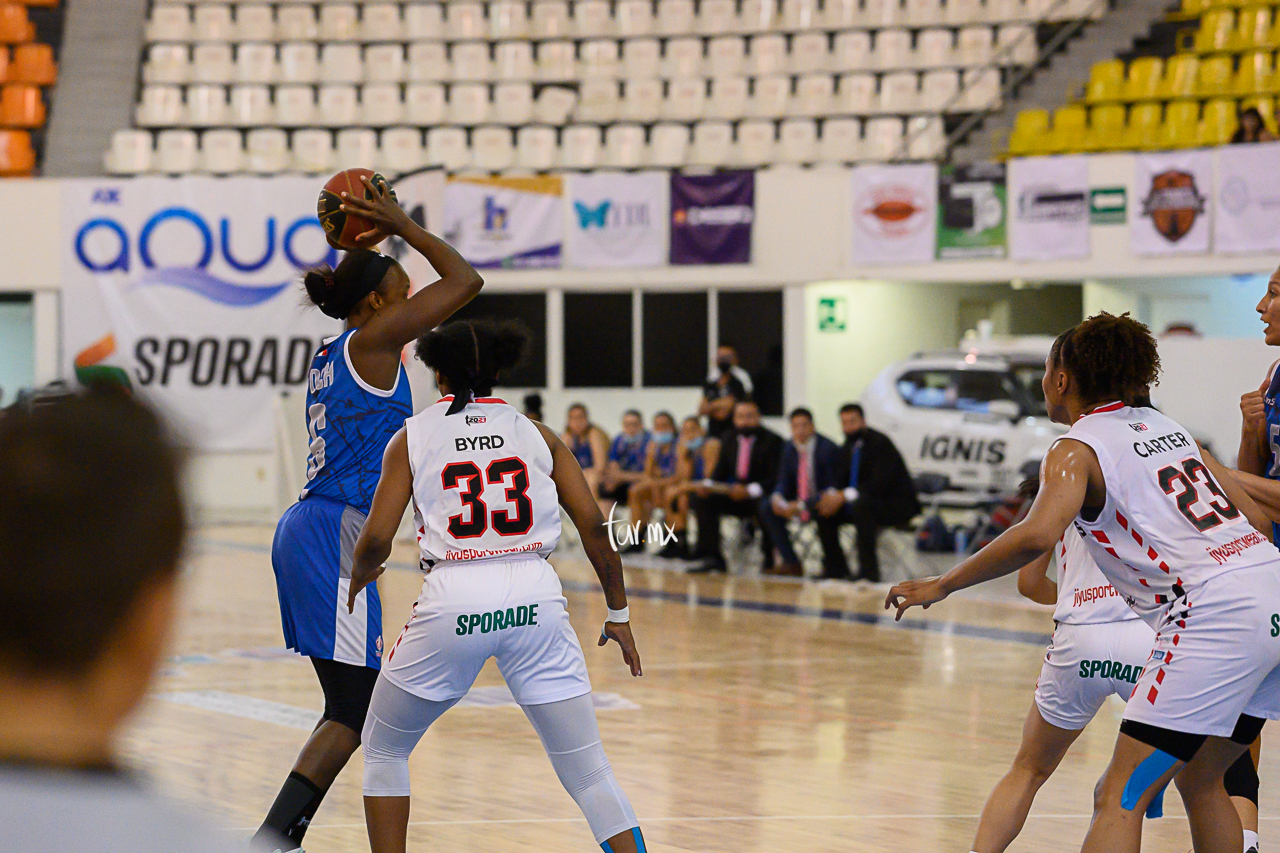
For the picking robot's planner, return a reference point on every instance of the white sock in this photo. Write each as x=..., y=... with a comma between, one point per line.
x=1250, y=841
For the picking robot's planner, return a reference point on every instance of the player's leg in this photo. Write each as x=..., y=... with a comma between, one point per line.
x=571, y=736
x=1042, y=748
x=1241, y=782
x=396, y=721
x=1215, y=824
x=1143, y=763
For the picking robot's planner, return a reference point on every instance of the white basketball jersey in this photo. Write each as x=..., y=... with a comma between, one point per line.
x=1166, y=526
x=482, y=486
x=1085, y=596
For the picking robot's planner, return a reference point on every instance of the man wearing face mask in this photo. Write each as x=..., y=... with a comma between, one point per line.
x=873, y=490
x=726, y=385
x=810, y=466
x=746, y=469
x=659, y=472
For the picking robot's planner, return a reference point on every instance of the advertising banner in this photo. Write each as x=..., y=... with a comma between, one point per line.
x=894, y=213
x=1246, y=203
x=514, y=223
x=618, y=219
x=191, y=287
x=1171, y=192
x=971, y=220
x=1049, y=208
x=711, y=217
x=421, y=194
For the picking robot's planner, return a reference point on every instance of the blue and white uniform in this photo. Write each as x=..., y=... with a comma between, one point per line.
x=1272, y=408
x=349, y=423
x=664, y=456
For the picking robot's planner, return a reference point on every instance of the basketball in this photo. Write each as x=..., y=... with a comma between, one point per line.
x=340, y=227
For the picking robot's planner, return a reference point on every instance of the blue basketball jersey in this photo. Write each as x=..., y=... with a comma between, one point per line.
x=1273, y=431
x=664, y=456
x=350, y=423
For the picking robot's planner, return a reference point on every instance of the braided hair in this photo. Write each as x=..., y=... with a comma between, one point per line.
x=337, y=292
x=469, y=355
x=1110, y=358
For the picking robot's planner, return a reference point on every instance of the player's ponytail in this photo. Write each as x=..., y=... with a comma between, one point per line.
x=469, y=356
x=1109, y=357
x=336, y=292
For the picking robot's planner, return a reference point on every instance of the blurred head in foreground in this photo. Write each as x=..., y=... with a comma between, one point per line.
x=91, y=531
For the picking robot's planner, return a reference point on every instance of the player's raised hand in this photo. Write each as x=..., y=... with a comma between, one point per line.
x=917, y=593
x=1253, y=406
x=359, y=580
x=620, y=632
x=380, y=208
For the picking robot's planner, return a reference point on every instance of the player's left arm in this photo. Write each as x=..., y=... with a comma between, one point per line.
x=577, y=500
x=1034, y=583
x=395, y=488
x=1064, y=480
x=1237, y=494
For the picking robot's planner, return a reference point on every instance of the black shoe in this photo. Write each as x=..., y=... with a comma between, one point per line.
x=709, y=565
x=633, y=548
x=674, y=550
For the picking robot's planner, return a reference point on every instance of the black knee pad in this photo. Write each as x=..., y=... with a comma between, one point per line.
x=1241, y=779
x=347, y=691
x=1180, y=745
x=1247, y=730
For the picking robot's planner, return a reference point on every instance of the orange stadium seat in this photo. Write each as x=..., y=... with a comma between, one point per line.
x=1179, y=80
x=39, y=2
x=15, y=27
x=1255, y=75
x=1216, y=27
x=1070, y=127
x=1106, y=128
x=1030, y=133
x=1215, y=76
x=17, y=158
x=1218, y=123
x=1143, y=80
x=33, y=63
x=1106, y=81
x=1181, y=125
x=1143, y=127
x=21, y=106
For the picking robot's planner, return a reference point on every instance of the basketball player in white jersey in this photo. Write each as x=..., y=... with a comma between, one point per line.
x=487, y=485
x=1171, y=538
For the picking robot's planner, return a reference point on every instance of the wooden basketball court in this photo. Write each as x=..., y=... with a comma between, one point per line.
x=772, y=716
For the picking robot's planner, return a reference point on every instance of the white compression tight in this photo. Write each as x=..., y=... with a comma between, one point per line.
x=397, y=720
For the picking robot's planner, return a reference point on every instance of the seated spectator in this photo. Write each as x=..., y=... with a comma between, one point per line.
x=590, y=446
x=873, y=490
x=92, y=527
x=696, y=455
x=659, y=473
x=746, y=469
x=726, y=385
x=533, y=406
x=626, y=461
x=810, y=466
x=1252, y=128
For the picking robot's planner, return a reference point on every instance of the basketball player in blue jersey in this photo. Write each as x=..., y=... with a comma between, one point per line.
x=357, y=398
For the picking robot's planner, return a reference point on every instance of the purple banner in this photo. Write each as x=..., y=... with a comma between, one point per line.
x=711, y=217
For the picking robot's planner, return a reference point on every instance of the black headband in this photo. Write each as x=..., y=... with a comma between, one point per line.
x=374, y=271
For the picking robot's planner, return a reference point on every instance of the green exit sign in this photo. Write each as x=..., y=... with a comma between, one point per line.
x=832, y=313
x=1108, y=206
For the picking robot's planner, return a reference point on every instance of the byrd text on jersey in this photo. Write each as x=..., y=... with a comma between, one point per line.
x=479, y=442
x=1160, y=444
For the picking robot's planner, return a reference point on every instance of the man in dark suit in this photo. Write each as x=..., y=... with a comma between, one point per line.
x=810, y=466
x=746, y=470
x=873, y=490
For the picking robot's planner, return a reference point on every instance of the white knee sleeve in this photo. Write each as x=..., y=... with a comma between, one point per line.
x=396, y=721
x=571, y=738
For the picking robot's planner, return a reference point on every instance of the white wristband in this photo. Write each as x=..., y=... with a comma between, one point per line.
x=755, y=490
x=850, y=495
x=623, y=615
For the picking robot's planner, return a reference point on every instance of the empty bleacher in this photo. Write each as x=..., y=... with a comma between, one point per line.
x=27, y=69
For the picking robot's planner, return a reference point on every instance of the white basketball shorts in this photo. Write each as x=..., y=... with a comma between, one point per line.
x=512, y=610
x=1085, y=664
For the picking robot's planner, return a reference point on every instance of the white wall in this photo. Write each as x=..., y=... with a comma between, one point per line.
x=1218, y=306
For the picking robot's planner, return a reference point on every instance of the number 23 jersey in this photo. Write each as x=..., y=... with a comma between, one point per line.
x=482, y=486
x=1167, y=526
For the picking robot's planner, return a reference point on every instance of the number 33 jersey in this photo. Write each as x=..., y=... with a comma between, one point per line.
x=482, y=486
x=1167, y=525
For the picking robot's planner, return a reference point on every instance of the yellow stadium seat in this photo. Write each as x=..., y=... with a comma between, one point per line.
x=1030, y=133
x=1106, y=81
x=1253, y=23
x=1143, y=80
x=1179, y=80
x=1218, y=124
x=1216, y=26
x=1272, y=37
x=1106, y=128
x=1142, y=130
x=1215, y=76
x=1193, y=8
x=1266, y=106
x=1255, y=75
x=1070, y=127
x=1180, y=126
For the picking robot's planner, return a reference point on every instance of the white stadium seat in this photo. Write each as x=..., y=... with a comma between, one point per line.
x=759, y=16
x=682, y=57
x=934, y=49
x=312, y=151
x=337, y=105
x=938, y=89
x=221, y=151
x=295, y=106
x=299, y=62
x=266, y=151
x=551, y=20
x=206, y=106
x=686, y=99
x=922, y=13
x=465, y=20
x=841, y=14
x=176, y=152
x=536, y=148
x=841, y=141
x=973, y=46
x=1016, y=44
x=855, y=94
x=491, y=149
x=131, y=152
x=624, y=146
x=513, y=103
x=384, y=63
x=597, y=101
x=899, y=92
x=892, y=49
x=712, y=143
x=556, y=60
x=883, y=139
x=254, y=22
x=380, y=105
x=341, y=63
x=767, y=54
x=381, y=22
x=800, y=15
x=255, y=62
x=815, y=95
x=633, y=18
x=357, y=147
x=980, y=89
x=339, y=22
x=423, y=21
x=728, y=98
x=960, y=13
x=167, y=63
x=297, y=23
x=428, y=60
x=756, y=142
x=726, y=56
x=599, y=59
x=469, y=61
x=250, y=106
x=852, y=51
x=809, y=53
x=513, y=60
x=668, y=145
x=159, y=106
x=881, y=13
x=212, y=63
x=798, y=141
x=580, y=147
x=447, y=147
x=424, y=103
x=718, y=16
x=508, y=20
x=553, y=105
x=641, y=99
x=925, y=138
x=674, y=17
x=169, y=23
x=1005, y=11
x=212, y=22
x=641, y=57
x=770, y=97
x=592, y=19
x=400, y=150
x=468, y=103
